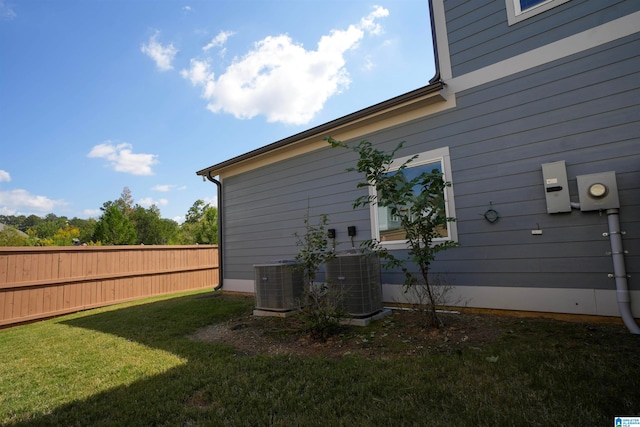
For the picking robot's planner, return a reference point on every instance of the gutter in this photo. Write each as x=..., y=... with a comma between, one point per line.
x=220, y=224
x=322, y=130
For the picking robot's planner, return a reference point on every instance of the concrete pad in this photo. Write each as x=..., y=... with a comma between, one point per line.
x=365, y=321
x=268, y=313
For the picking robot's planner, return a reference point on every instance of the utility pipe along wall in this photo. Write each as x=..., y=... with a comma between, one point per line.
x=620, y=272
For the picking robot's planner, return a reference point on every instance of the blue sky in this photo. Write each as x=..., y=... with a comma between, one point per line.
x=99, y=95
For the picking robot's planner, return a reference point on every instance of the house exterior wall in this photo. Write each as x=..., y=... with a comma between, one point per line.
x=265, y=207
x=479, y=35
x=581, y=107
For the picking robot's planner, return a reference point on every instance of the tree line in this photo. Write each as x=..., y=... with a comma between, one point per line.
x=122, y=222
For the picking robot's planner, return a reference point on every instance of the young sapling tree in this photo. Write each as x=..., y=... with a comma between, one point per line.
x=321, y=306
x=419, y=205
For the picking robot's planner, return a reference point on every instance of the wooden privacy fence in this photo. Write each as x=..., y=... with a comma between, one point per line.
x=49, y=281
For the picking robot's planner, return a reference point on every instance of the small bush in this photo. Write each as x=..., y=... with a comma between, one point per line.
x=320, y=307
x=321, y=311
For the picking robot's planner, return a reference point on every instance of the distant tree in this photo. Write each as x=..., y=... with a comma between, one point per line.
x=86, y=228
x=10, y=236
x=126, y=202
x=195, y=212
x=48, y=226
x=151, y=229
x=20, y=222
x=113, y=227
x=170, y=231
x=51, y=230
x=29, y=222
x=200, y=225
x=14, y=221
x=186, y=234
x=208, y=231
x=121, y=223
x=67, y=236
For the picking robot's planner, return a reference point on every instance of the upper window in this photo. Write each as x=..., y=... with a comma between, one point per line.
x=528, y=4
x=386, y=226
x=519, y=10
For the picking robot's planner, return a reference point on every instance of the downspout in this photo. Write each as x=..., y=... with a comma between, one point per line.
x=436, y=78
x=619, y=271
x=220, y=224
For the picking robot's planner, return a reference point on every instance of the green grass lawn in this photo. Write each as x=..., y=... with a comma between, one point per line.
x=132, y=364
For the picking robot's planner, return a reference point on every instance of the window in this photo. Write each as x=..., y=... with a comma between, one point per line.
x=528, y=4
x=386, y=227
x=519, y=10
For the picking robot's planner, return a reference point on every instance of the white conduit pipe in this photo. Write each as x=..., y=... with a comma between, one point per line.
x=619, y=271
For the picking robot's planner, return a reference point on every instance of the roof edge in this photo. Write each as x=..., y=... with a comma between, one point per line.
x=323, y=128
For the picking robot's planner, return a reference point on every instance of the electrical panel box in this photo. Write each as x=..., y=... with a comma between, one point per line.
x=556, y=187
x=598, y=191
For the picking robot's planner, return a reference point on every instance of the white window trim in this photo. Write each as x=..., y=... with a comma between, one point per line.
x=515, y=15
x=439, y=154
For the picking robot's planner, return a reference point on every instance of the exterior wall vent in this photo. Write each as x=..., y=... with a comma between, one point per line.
x=357, y=277
x=278, y=286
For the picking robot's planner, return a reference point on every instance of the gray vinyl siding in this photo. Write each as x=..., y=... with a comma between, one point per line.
x=578, y=110
x=265, y=207
x=583, y=109
x=479, y=34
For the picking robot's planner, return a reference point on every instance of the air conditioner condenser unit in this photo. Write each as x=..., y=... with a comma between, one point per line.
x=357, y=277
x=278, y=285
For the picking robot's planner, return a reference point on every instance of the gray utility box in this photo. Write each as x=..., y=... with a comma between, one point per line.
x=556, y=187
x=278, y=285
x=357, y=277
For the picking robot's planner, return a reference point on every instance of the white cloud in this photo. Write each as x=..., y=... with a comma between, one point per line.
x=213, y=201
x=164, y=188
x=22, y=201
x=122, y=159
x=279, y=78
x=368, y=64
x=6, y=12
x=199, y=73
x=92, y=213
x=162, y=55
x=368, y=22
x=4, y=176
x=186, y=9
x=148, y=201
x=218, y=40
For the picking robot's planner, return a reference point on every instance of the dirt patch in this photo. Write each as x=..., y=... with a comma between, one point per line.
x=401, y=333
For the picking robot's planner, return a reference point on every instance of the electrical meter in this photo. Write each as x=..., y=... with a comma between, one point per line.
x=598, y=191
